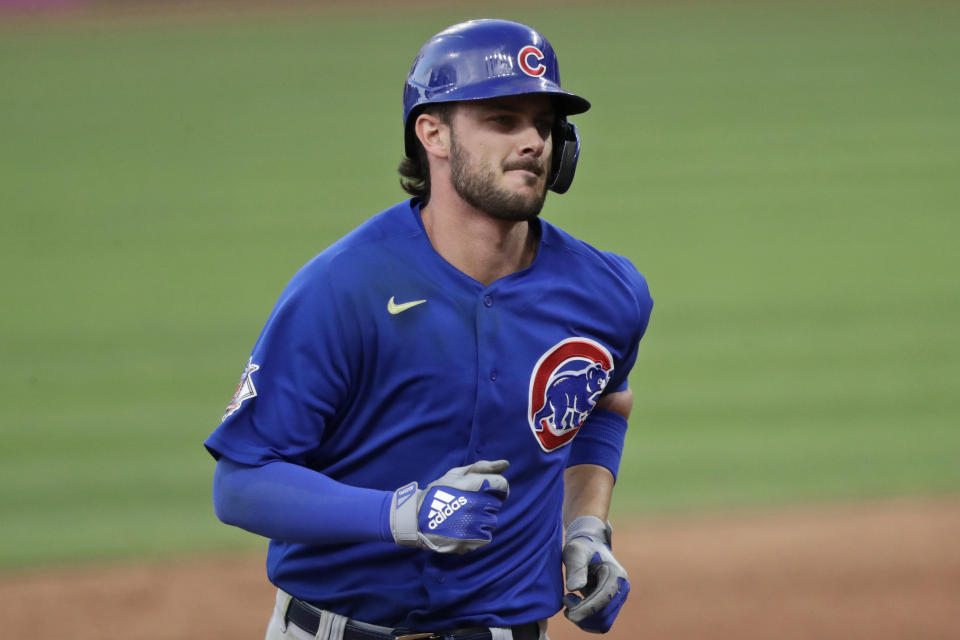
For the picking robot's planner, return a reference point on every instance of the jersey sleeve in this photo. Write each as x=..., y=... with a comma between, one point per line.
x=638, y=305
x=296, y=380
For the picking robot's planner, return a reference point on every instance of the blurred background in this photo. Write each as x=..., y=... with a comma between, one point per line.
x=785, y=174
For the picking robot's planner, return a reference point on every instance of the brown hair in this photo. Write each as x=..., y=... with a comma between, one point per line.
x=415, y=172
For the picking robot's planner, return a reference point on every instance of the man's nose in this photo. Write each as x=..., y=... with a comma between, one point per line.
x=533, y=142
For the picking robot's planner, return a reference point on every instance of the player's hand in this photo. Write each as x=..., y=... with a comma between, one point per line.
x=595, y=573
x=455, y=513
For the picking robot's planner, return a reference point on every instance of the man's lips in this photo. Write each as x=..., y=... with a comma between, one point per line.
x=531, y=165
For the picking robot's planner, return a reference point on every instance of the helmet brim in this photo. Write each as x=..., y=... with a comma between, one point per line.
x=566, y=103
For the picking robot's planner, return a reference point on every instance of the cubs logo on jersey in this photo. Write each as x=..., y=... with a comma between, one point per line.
x=245, y=390
x=564, y=387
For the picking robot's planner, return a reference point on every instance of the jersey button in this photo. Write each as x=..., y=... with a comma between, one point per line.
x=493, y=375
x=488, y=300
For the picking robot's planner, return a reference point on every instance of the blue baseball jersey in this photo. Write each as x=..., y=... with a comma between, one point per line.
x=382, y=364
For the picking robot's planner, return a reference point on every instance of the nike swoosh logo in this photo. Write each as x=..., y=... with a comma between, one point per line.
x=395, y=308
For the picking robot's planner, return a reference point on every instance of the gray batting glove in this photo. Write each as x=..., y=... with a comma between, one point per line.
x=455, y=513
x=595, y=573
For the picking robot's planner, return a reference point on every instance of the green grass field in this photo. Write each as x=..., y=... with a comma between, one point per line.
x=781, y=173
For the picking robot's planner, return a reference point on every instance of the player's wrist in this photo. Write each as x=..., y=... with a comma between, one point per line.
x=402, y=515
x=386, y=533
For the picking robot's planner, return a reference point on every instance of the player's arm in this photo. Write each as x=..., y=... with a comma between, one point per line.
x=591, y=567
x=588, y=487
x=587, y=492
x=285, y=501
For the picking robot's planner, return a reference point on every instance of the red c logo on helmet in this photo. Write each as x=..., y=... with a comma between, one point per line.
x=524, y=59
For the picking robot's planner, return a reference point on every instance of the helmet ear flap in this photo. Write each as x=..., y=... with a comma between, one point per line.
x=566, y=153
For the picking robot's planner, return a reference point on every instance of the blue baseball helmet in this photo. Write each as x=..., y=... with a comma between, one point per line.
x=483, y=59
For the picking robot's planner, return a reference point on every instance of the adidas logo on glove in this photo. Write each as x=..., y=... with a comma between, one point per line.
x=443, y=506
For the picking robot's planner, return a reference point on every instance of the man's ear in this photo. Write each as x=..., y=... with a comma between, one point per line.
x=434, y=135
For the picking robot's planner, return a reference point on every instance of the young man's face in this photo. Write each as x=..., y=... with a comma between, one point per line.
x=500, y=153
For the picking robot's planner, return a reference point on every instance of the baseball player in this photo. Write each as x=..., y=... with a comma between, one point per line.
x=429, y=427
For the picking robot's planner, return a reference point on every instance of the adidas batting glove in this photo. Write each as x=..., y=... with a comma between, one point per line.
x=595, y=573
x=455, y=513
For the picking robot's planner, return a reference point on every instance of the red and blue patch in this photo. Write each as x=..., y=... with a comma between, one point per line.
x=245, y=390
x=564, y=387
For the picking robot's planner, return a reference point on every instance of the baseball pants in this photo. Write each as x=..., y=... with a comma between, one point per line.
x=332, y=624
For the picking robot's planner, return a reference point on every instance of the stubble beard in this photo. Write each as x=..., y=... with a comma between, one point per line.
x=477, y=186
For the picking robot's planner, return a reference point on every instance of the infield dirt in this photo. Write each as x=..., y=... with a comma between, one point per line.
x=878, y=571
